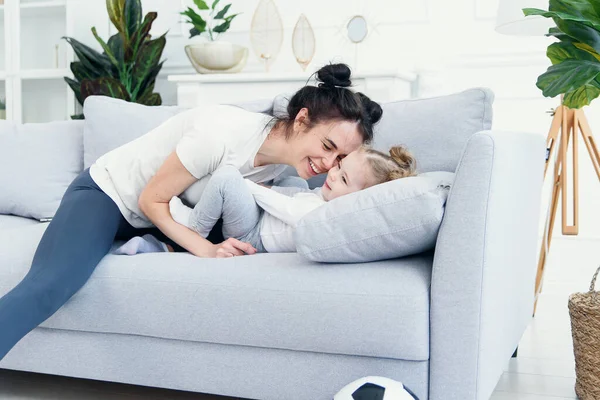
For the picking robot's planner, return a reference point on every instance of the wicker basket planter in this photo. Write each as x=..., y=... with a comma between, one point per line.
x=584, y=309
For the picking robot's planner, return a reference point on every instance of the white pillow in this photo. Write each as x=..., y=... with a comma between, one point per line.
x=39, y=162
x=390, y=220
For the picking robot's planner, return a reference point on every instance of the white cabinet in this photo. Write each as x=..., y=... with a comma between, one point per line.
x=34, y=59
x=198, y=89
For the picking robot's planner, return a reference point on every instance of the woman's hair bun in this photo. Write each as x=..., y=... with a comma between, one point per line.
x=334, y=75
x=372, y=108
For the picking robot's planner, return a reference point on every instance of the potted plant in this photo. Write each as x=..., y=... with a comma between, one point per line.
x=575, y=70
x=213, y=56
x=129, y=64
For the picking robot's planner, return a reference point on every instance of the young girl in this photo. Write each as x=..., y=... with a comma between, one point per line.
x=240, y=202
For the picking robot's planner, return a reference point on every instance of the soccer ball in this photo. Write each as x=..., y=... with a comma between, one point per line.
x=375, y=388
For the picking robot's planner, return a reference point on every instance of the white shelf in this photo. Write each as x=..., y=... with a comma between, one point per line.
x=2, y=75
x=44, y=4
x=55, y=73
x=284, y=77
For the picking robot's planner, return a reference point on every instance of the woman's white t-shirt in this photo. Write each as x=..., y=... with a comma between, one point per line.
x=204, y=138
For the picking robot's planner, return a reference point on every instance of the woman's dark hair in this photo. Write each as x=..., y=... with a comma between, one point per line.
x=331, y=100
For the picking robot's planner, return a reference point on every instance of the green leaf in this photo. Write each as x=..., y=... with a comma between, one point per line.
x=563, y=37
x=559, y=52
x=562, y=16
x=214, y=4
x=153, y=99
x=194, y=32
x=105, y=86
x=115, y=43
x=140, y=36
x=587, y=49
x=107, y=50
x=580, y=32
x=116, y=11
x=76, y=87
x=583, y=9
x=132, y=16
x=147, y=59
x=223, y=27
x=201, y=4
x=96, y=63
x=148, y=83
x=195, y=19
x=80, y=72
x=581, y=96
x=221, y=14
x=77, y=116
x=567, y=76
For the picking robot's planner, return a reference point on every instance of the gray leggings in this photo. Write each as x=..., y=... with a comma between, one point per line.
x=226, y=196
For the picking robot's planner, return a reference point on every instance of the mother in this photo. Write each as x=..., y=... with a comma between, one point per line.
x=128, y=189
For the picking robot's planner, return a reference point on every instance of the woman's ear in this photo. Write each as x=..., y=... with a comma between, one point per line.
x=301, y=119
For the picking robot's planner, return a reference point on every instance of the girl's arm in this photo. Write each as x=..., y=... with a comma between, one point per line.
x=172, y=179
x=288, y=209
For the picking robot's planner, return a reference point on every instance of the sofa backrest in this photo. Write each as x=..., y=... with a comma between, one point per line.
x=434, y=129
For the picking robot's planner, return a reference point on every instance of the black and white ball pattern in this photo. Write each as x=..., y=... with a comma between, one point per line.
x=375, y=388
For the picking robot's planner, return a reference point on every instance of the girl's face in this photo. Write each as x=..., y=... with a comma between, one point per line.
x=351, y=175
x=315, y=151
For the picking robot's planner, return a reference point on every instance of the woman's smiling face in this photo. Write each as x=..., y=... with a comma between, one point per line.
x=316, y=150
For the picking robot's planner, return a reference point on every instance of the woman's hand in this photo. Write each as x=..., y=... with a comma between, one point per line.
x=233, y=247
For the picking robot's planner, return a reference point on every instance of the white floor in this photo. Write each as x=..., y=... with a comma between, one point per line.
x=543, y=370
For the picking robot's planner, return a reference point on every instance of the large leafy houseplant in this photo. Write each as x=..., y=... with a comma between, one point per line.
x=215, y=23
x=129, y=64
x=575, y=70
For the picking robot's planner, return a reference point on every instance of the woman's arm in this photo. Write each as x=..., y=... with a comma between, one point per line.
x=170, y=180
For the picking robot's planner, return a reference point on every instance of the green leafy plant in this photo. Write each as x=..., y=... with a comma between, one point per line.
x=575, y=70
x=217, y=21
x=129, y=64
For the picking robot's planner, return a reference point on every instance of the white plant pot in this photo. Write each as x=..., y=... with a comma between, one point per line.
x=217, y=57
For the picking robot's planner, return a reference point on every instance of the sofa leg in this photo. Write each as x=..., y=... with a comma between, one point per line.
x=515, y=353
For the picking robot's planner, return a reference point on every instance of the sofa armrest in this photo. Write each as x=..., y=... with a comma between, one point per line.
x=482, y=285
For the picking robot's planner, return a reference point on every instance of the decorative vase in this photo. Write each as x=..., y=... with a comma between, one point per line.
x=303, y=42
x=266, y=32
x=217, y=57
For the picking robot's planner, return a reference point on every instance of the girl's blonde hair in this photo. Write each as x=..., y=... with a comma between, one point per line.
x=399, y=164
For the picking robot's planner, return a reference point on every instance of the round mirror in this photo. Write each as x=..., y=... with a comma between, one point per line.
x=357, y=29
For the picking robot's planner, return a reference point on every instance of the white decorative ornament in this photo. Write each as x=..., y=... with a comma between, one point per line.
x=266, y=32
x=303, y=42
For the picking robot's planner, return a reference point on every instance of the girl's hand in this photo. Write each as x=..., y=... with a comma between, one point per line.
x=233, y=247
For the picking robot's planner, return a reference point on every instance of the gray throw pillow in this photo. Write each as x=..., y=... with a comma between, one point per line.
x=111, y=123
x=390, y=220
x=40, y=161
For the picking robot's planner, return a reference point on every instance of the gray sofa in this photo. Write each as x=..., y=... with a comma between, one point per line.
x=276, y=326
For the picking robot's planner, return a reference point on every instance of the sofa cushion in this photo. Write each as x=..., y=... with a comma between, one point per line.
x=390, y=220
x=42, y=159
x=380, y=309
x=13, y=221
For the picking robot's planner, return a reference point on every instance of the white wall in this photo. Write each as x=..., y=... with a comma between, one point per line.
x=451, y=43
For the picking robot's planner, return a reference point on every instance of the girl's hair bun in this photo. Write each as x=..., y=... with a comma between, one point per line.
x=333, y=75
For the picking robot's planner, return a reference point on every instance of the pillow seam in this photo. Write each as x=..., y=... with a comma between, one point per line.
x=370, y=237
